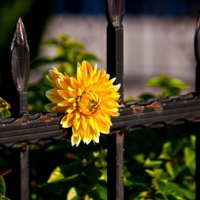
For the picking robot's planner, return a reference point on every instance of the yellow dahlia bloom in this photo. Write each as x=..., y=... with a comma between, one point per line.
x=88, y=100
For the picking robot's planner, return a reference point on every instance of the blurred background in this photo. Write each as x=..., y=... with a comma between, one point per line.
x=158, y=35
x=158, y=39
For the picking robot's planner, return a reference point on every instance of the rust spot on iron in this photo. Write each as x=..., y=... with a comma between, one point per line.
x=19, y=120
x=45, y=118
x=137, y=109
x=155, y=105
x=196, y=120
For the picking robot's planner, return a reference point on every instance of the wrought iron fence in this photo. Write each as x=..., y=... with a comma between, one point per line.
x=42, y=128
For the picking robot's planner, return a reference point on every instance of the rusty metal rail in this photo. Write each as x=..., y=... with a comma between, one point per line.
x=139, y=114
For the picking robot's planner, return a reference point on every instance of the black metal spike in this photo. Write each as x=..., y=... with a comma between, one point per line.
x=21, y=65
x=20, y=57
x=115, y=11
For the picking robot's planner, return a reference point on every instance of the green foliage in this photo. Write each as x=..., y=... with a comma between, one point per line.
x=167, y=170
x=68, y=53
x=164, y=159
x=167, y=85
x=3, y=189
x=4, y=109
x=74, y=173
x=4, y=113
x=2, y=186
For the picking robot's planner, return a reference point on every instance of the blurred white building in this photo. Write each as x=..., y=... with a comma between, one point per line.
x=151, y=46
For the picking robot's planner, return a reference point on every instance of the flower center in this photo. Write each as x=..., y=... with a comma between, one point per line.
x=89, y=103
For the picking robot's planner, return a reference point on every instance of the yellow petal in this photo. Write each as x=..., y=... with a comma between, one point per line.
x=67, y=120
x=75, y=138
x=64, y=94
x=53, y=96
x=104, y=124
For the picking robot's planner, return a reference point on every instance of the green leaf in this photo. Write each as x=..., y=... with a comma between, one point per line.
x=156, y=173
x=4, y=109
x=189, y=156
x=155, y=81
x=178, y=83
x=152, y=163
x=170, y=169
x=57, y=175
x=72, y=194
x=2, y=197
x=2, y=186
x=177, y=191
x=139, y=158
x=102, y=191
x=166, y=151
x=168, y=86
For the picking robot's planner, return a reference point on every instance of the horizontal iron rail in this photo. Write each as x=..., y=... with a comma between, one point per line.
x=159, y=112
x=37, y=129
x=136, y=114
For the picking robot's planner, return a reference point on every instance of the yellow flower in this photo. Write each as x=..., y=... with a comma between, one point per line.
x=88, y=100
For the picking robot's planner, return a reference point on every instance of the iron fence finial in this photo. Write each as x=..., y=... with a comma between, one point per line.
x=20, y=62
x=20, y=57
x=115, y=10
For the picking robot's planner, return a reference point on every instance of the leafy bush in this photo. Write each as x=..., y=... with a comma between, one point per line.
x=4, y=113
x=162, y=171
x=160, y=163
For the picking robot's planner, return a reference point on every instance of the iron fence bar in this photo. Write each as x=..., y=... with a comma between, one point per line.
x=20, y=72
x=24, y=172
x=115, y=14
x=119, y=162
x=197, y=56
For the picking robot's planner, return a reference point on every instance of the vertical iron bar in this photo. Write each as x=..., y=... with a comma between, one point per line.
x=115, y=14
x=115, y=166
x=20, y=74
x=119, y=168
x=197, y=56
x=24, y=157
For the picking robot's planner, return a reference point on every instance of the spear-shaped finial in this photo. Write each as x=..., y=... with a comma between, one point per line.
x=115, y=11
x=20, y=57
x=21, y=65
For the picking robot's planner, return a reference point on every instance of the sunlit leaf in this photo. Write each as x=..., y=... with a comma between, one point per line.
x=72, y=194
x=57, y=175
x=152, y=163
x=179, y=83
x=170, y=169
x=2, y=186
